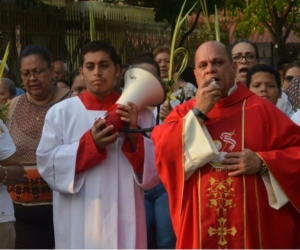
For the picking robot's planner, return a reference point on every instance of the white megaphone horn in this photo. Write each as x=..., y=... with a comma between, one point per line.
x=141, y=87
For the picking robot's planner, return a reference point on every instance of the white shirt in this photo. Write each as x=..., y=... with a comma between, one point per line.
x=7, y=148
x=285, y=105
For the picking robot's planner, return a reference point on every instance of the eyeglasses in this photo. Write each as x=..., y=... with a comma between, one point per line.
x=288, y=78
x=249, y=57
x=37, y=74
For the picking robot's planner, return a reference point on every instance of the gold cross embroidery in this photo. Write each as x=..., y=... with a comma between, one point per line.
x=222, y=231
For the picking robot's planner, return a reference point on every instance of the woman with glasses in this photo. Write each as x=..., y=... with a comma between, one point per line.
x=33, y=198
x=290, y=71
x=245, y=55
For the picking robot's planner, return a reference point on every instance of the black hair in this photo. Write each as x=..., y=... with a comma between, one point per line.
x=188, y=76
x=289, y=66
x=263, y=68
x=145, y=54
x=150, y=61
x=37, y=50
x=282, y=63
x=10, y=85
x=95, y=46
x=245, y=41
x=73, y=76
x=119, y=61
x=64, y=81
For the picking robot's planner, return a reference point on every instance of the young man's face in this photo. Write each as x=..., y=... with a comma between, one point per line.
x=99, y=73
x=264, y=84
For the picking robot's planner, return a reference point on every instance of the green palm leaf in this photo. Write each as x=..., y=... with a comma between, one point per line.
x=217, y=26
x=2, y=66
x=92, y=22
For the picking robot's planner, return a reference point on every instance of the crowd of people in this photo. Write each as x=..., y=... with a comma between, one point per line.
x=219, y=170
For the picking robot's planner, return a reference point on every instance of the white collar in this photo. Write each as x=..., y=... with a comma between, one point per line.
x=231, y=90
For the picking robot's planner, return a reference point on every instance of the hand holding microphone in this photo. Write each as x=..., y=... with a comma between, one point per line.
x=207, y=95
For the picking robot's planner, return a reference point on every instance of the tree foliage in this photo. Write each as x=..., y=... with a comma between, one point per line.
x=168, y=10
x=278, y=17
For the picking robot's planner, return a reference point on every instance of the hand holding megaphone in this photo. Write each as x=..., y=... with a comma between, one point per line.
x=143, y=88
x=102, y=134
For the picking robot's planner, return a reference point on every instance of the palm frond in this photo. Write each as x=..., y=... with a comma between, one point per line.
x=217, y=26
x=4, y=59
x=92, y=22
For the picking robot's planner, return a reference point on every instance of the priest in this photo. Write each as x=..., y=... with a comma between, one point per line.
x=230, y=162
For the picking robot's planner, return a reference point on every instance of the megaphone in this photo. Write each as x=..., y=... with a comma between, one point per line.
x=141, y=87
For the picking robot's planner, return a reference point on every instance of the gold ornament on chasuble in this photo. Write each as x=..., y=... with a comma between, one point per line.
x=220, y=196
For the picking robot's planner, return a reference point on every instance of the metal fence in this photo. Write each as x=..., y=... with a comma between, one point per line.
x=63, y=31
x=40, y=25
x=130, y=30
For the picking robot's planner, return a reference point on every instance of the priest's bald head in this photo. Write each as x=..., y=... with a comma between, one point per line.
x=213, y=61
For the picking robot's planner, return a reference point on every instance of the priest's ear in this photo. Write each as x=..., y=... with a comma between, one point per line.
x=234, y=66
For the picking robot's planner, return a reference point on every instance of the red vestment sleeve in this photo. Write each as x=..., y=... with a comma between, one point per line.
x=135, y=158
x=88, y=155
x=279, y=149
x=169, y=150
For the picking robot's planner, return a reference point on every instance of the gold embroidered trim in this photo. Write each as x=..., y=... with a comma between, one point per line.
x=220, y=195
x=258, y=212
x=244, y=180
x=243, y=125
x=199, y=212
x=183, y=173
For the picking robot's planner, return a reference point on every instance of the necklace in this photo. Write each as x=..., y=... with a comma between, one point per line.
x=45, y=102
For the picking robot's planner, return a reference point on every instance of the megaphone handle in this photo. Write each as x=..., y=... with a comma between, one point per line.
x=143, y=131
x=138, y=130
x=112, y=118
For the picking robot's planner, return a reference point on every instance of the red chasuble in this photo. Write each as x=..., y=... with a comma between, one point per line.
x=213, y=210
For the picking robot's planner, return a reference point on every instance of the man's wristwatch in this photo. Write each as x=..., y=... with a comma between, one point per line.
x=198, y=113
x=263, y=169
